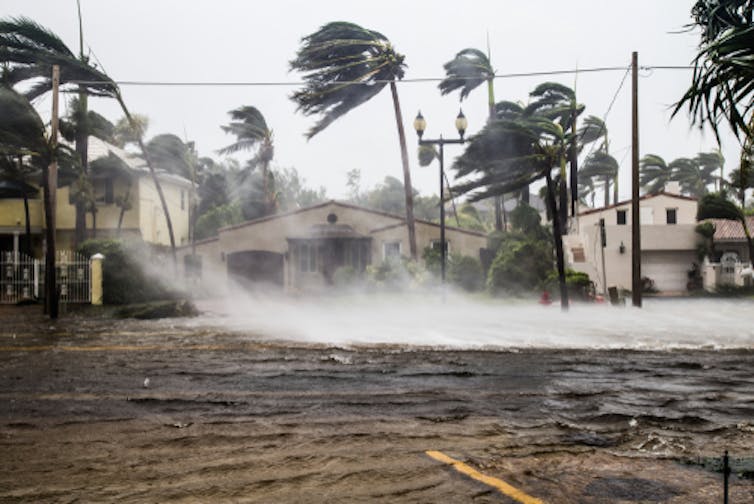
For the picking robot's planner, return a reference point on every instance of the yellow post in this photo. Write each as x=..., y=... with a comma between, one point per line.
x=96, y=278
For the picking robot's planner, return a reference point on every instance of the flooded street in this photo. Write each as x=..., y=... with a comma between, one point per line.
x=221, y=409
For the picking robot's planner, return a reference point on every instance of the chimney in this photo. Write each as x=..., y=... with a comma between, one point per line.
x=672, y=187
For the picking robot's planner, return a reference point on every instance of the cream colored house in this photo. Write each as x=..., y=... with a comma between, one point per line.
x=303, y=249
x=668, y=242
x=133, y=182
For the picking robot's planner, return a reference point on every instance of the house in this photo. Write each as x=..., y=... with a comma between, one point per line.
x=730, y=262
x=117, y=176
x=669, y=242
x=303, y=249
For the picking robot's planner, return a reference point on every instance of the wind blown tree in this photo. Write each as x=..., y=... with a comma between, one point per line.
x=712, y=162
x=345, y=65
x=722, y=85
x=509, y=154
x=654, y=174
x=693, y=177
x=252, y=134
x=28, y=51
x=601, y=166
x=465, y=72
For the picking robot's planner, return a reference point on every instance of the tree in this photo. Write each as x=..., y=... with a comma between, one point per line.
x=692, y=176
x=292, y=192
x=654, y=174
x=345, y=65
x=509, y=154
x=29, y=51
x=711, y=162
x=602, y=166
x=721, y=86
x=465, y=72
x=252, y=133
x=718, y=206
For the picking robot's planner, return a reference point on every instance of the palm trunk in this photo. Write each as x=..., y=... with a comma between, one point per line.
x=607, y=192
x=27, y=237
x=558, y=238
x=82, y=149
x=499, y=224
x=406, y=173
x=125, y=201
x=157, y=184
x=574, y=162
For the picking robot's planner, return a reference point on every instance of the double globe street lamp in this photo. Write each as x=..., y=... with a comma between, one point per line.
x=420, y=124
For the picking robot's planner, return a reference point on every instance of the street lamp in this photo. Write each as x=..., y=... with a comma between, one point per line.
x=420, y=124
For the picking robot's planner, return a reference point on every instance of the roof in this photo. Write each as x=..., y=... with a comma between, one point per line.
x=641, y=198
x=730, y=230
x=400, y=221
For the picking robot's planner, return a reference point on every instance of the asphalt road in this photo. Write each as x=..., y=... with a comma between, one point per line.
x=98, y=410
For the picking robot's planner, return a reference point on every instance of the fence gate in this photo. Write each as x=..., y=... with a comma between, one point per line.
x=22, y=277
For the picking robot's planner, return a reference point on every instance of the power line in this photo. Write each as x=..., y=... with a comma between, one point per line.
x=414, y=80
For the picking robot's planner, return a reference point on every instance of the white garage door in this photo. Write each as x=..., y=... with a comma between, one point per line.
x=668, y=269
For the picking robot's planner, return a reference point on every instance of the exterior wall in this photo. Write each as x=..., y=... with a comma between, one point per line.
x=674, y=243
x=459, y=242
x=109, y=213
x=152, y=222
x=12, y=215
x=214, y=273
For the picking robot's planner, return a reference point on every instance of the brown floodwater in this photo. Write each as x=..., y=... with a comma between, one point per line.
x=198, y=410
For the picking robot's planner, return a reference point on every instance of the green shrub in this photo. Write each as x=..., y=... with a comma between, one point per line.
x=521, y=265
x=124, y=280
x=466, y=272
x=579, y=285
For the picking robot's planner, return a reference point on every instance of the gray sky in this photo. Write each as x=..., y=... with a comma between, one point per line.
x=243, y=41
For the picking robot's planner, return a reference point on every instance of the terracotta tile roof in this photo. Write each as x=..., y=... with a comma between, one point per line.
x=728, y=230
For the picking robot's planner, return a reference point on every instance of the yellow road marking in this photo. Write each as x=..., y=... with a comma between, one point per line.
x=502, y=486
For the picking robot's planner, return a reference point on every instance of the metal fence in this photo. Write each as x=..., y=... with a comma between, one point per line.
x=22, y=277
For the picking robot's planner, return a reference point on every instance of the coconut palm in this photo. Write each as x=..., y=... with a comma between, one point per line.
x=28, y=51
x=601, y=166
x=713, y=161
x=252, y=133
x=722, y=85
x=345, y=65
x=509, y=154
x=465, y=72
x=594, y=129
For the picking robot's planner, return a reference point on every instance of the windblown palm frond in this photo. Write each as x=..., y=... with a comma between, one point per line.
x=592, y=129
x=344, y=65
x=692, y=177
x=470, y=68
x=654, y=173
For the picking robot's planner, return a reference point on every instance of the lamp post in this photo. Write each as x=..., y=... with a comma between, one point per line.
x=420, y=124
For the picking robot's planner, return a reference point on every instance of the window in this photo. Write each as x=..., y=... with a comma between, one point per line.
x=104, y=192
x=671, y=216
x=435, y=244
x=391, y=250
x=578, y=254
x=307, y=257
x=621, y=217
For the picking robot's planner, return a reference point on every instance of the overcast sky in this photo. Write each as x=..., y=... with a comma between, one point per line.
x=243, y=41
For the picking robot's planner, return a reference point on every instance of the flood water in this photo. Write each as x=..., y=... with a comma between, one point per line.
x=341, y=397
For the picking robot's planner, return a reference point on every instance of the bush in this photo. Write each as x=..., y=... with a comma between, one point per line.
x=578, y=284
x=521, y=265
x=466, y=272
x=124, y=280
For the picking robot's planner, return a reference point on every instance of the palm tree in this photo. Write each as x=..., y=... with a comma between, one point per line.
x=465, y=72
x=29, y=51
x=721, y=86
x=252, y=133
x=509, y=154
x=557, y=103
x=345, y=65
x=713, y=161
x=601, y=166
x=592, y=130
x=654, y=173
x=693, y=177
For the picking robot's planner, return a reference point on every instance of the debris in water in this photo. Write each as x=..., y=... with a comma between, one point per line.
x=633, y=423
x=146, y=382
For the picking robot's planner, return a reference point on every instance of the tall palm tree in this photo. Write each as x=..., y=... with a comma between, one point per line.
x=721, y=86
x=509, y=154
x=465, y=72
x=693, y=177
x=29, y=51
x=654, y=173
x=713, y=161
x=594, y=129
x=345, y=65
x=252, y=133
x=601, y=166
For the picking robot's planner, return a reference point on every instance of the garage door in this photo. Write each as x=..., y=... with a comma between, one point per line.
x=256, y=268
x=668, y=269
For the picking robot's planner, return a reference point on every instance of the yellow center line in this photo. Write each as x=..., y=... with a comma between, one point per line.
x=502, y=486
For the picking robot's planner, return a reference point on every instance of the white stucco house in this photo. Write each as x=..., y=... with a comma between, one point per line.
x=668, y=242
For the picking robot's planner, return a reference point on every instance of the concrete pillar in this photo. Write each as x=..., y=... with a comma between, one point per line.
x=96, y=278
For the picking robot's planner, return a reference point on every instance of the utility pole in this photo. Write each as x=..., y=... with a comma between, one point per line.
x=51, y=294
x=635, y=221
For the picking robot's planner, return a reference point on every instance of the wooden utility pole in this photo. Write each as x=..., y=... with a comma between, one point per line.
x=51, y=294
x=635, y=213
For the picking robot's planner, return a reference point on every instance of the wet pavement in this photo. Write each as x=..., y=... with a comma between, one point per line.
x=237, y=415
